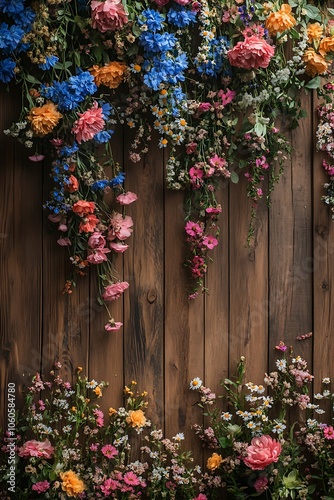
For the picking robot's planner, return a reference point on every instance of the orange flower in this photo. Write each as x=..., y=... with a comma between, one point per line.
x=279, y=21
x=88, y=224
x=326, y=45
x=315, y=63
x=72, y=184
x=83, y=207
x=44, y=119
x=111, y=75
x=136, y=418
x=98, y=391
x=214, y=461
x=314, y=32
x=71, y=483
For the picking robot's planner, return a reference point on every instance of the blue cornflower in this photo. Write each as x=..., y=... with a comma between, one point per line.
x=153, y=78
x=70, y=93
x=181, y=17
x=49, y=63
x=69, y=150
x=178, y=94
x=100, y=184
x=107, y=110
x=7, y=69
x=12, y=7
x=25, y=18
x=154, y=43
x=152, y=19
x=119, y=179
x=10, y=37
x=216, y=57
x=104, y=136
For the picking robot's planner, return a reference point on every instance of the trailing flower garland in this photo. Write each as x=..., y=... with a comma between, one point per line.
x=216, y=79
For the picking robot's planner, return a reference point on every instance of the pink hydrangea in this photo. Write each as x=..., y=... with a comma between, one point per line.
x=89, y=124
x=114, y=291
x=108, y=15
x=33, y=448
x=41, y=486
x=252, y=53
x=262, y=451
x=126, y=198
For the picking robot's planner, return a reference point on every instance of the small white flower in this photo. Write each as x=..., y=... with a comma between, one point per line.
x=226, y=416
x=326, y=380
x=195, y=383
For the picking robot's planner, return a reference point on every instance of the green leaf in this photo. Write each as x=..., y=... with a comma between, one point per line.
x=314, y=83
x=223, y=442
x=331, y=11
x=312, y=12
x=234, y=177
x=32, y=79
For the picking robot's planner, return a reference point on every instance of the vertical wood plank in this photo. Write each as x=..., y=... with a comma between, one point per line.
x=20, y=257
x=144, y=271
x=248, y=286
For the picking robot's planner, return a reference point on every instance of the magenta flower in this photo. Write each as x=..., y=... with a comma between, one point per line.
x=109, y=451
x=329, y=432
x=41, y=486
x=131, y=479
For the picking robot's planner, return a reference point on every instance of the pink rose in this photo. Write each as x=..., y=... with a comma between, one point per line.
x=119, y=247
x=98, y=255
x=126, y=198
x=262, y=452
x=96, y=240
x=120, y=227
x=114, y=291
x=252, y=53
x=108, y=16
x=89, y=123
x=261, y=484
x=33, y=448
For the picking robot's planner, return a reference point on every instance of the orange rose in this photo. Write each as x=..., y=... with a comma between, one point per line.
x=136, y=418
x=44, y=119
x=315, y=63
x=279, y=21
x=83, y=207
x=326, y=45
x=71, y=483
x=88, y=224
x=214, y=461
x=111, y=75
x=314, y=32
x=72, y=184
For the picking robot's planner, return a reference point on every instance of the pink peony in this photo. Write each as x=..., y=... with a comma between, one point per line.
x=96, y=240
x=119, y=247
x=262, y=452
x=41, y=486
x=108, y=15
x=252, y=53
x=126, y=198
x=33, y=448
x=114, y=291
x=98, y=255
x=89, y=124
x=120, y=227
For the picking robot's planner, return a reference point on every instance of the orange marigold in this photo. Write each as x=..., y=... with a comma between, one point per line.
x=111, y=75
x=326, y=45
x=279, y=21
x=314, y=32
x=214, y=461
x=315, y=63
x=71, y=483
x=44, y=119
x=136, y=418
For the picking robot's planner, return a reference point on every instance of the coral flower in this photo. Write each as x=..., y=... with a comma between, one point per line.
x=136, y=418
x=88, y=224
x=108, y=16
x=44, y=119
x=252, y=53
x=83, y=207
x=315, y=63
x=71, y=483
x=326, y=45
x=90, y=123
x=279, y=21
x=72, y=184
x=262, y=452
x=111, y=75
x=314, y=32
x=214, y=461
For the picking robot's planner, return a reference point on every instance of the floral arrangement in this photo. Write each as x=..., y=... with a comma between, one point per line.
x=264, y=440
x=216, y=79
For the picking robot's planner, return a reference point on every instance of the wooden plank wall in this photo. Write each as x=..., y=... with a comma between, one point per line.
x=278, y=288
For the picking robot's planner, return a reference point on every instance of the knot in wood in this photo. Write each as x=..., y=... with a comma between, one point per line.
x=151, y=296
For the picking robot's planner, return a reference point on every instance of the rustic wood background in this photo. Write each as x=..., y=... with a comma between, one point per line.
x=277, y=289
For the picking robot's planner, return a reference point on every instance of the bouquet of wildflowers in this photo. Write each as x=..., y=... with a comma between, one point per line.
x=253, y=449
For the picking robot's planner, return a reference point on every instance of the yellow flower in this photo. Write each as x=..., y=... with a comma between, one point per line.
x=136, y=418
x=214, y=461
x=98, y=391
x=314, y=32
x=71, y=483
x=111, y=75
x=112, y=411
x=326, y=45
x=315, y=63
x=44, y=119
x=279, y=21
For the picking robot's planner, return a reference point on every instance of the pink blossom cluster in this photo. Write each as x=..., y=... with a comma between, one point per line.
x=200, y=171
x=124, y=483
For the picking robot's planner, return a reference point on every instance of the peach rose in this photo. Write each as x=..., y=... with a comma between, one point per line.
x=71, y=483
x=262, y=452
x=33, y=448
x=279, y=21
x=314, y=32
x=136, y=418
x=315, y=63
x=44, y=119
x=326, y=45
x=108, y=16
x=252, y=53
x=111, y=75
x=214, y=461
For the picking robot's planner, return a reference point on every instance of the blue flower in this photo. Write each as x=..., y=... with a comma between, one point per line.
x=181, y=17
x=152, y=19
x=12, y=7
x=69, y=150
x=215, y=58
x=25, y=18
x=49, y=62
x=7, y=69
x=119, y=179
x=10, y=37
x=154, y=43
x=70, y=93
x=107, y=110
x=179, y=95
x=100, y=184
x=103, y=136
